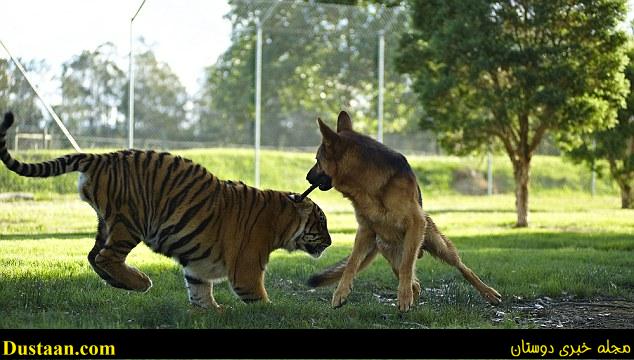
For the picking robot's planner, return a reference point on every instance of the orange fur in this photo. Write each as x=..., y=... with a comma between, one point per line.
x=213, y=228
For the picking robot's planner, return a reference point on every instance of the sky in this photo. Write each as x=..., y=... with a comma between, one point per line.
x=189, y=34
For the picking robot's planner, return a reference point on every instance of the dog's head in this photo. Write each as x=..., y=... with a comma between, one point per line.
x=329, y=152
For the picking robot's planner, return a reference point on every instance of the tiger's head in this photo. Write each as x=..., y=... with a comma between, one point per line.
x=314, y=237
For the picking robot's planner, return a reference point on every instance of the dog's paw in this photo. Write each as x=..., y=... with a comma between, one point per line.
x=492, y=296
x=405, y=297
x=340, y=296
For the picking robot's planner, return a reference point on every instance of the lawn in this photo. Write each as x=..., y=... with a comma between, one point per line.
x=578, y=250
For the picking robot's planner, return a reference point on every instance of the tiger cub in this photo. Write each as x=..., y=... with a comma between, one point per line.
x=215, y=229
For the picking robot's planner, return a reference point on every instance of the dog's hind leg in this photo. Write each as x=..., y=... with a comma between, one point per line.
x=439, y=246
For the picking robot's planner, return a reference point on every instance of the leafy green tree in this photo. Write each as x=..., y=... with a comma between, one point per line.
x=92, y=88
x=314, y=63
x=510, y=72
x=614, y=145
x=16, y=94
x=160, y=100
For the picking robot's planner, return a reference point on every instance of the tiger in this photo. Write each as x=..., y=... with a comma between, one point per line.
x=214, y=229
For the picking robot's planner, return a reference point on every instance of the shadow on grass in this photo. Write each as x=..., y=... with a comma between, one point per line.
x=549, y=240
x=435, y=211
x=52, y=236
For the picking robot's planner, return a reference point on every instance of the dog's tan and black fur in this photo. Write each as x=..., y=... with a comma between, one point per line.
x=388, y=206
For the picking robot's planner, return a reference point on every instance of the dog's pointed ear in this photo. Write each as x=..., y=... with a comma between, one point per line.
x=344, y=122
x=328, y=135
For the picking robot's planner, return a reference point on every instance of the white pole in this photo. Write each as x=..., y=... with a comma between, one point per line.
x=593, y=185
x=131, y=82
x=131, y=91
x=49, y=109
x=489, y=173
x=258, y=90
x=381, y=69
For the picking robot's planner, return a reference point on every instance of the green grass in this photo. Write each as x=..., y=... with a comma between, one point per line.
x=435, y=173
x=576, y=246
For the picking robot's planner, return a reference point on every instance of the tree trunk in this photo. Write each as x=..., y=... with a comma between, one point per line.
x=627, y=196
x=625, y=184
x=521, y=170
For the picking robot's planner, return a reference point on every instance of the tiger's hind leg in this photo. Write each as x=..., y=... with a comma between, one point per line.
x=201, y=292
x=247, y=282
x=100, y=241
x=111, y=259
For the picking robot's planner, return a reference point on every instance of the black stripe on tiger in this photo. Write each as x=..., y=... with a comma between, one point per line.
x=194, y=281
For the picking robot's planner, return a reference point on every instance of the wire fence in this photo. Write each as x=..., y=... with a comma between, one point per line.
x=289, y=62
x=316, y=59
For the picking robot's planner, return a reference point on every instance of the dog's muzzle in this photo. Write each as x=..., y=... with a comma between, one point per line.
x=320, y=179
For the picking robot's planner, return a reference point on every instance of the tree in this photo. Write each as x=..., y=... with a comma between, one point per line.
x=507, y=73
x=16, y=94
x=92, y=88
x=615, y=145
x=159, y=102
x=313, y=63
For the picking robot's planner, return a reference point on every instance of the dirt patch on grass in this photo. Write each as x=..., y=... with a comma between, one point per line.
x=544, y=312
x=569, y=313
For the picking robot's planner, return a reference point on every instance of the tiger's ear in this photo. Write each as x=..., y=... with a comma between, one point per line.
x=304, y=205
x=344, y=122
x=328, y=136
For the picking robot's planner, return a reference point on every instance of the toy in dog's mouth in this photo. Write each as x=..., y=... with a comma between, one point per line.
x=319, y=179
x=324, y=182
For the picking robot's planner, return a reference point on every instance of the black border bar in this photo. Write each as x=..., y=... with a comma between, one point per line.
x=334, y=344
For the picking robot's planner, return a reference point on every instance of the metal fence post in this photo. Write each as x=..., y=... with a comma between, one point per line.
x=593, y=183
x=131, y=90
x=381, y=71
x=17, y=137
x=489, y=173
x=258, y=91
x=131, y=81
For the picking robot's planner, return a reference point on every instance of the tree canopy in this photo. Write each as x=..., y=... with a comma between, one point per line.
x=17, y=95
x=317, y=59
x=615, y=146
x=505, y=73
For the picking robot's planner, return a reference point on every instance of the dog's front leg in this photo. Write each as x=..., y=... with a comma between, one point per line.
x=414, y=237
x=364, y=244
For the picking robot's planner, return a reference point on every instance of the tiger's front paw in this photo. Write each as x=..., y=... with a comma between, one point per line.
x=405, y=297
x=340, y=296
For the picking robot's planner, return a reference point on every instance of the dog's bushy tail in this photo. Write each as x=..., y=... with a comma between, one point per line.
x=333, y=273
x=330, y=275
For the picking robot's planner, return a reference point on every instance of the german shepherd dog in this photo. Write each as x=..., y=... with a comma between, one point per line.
x=388, y=206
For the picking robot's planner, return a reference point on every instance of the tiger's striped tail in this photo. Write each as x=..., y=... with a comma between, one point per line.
x=59, y=166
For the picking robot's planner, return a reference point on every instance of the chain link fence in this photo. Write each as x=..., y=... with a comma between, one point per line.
x=316, y=59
